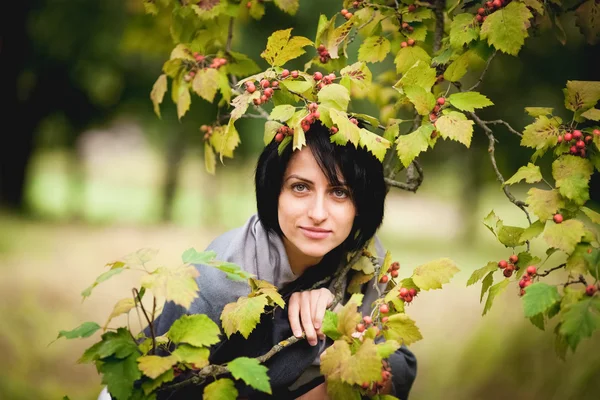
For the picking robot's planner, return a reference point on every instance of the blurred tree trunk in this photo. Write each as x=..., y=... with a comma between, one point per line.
x=175, y=149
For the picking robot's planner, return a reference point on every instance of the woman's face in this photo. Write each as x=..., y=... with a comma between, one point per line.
x=314, y=216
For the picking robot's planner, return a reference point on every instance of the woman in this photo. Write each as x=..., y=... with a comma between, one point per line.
x=314, y=206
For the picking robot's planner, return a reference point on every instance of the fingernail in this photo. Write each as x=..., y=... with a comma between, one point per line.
x=297, y=333
x=317, y=326
x=312, y=342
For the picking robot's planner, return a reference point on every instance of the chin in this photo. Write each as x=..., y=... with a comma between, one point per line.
x=315, y=250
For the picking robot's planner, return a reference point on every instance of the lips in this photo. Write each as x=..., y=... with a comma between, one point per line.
x=315, y=233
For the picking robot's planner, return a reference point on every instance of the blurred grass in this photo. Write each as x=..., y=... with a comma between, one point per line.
x=47, y=260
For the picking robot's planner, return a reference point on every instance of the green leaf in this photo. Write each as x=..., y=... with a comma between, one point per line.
x=120, y=375
x=423, y=100
x=103, y=277
x=177, y=284
x=542, y=133
x=84, y=330
x=119, y=344
x=581, y=95
x=242, y=65
x=495, y=290
x=281, y=49
x=330, y=324
x=299, y=86
x=338, y=390
x=564, y=236
x=205, y=83
x=469, y=101
x=374, y=49
x=408, y=56
x=402, y=329
x=336, y=358
x=580, y=320
x=420, y=74
x=183, y=100
x=252, y=372
x=198, y=330
x=198, y=356
x=455, y=126
x=588, y=21
x=257, y=9
x=572, y=174
x=538, y=320
x=538, y=298
x=577, y=263
x=288, y=6
x=457, y=69
x=537, y=111
x=387, y=348
x=348, y=132
x=376, y=144
x=151, y=386
x=544, y=203
x=410, y=146
x=419, y=14
x=282, y=113
x=510, y=236
x=334, y=96
x=506, y=28
x=158, y=93
x=531, y=173
x=357, y=76
x=433, y=274
x=525, y=260
x=492, y=222
x=487, y=282
x=532, y=231
x=191, y=256
x=222, y=389
x=364, y=365
x=243, y=315
x=271, y=128
x=478, y=274
x=233, y=271
x=591, y=214
x=391, y=132
x=210, y=159
x=463, y=30
x=592, y=114
x=154, y=366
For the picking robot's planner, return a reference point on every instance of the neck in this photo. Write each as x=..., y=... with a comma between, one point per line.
x=299, y=262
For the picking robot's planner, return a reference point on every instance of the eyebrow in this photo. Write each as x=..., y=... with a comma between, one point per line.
x=342, y=183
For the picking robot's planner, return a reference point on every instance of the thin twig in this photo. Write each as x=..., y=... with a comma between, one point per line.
x=580, y=280
x=510, y=128
x=234, y=80
x=351, y=39
x=547, y=272
x=150, y=321
x=487, y=65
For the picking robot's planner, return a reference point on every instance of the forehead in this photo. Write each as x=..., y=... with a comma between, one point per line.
x=304, y=164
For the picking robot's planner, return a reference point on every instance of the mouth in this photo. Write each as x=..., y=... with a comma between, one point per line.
x=315, y=233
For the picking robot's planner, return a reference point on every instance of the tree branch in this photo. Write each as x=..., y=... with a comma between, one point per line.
x=499, y=121
x=547, y=272
x=440, y=5
x=228, y=46
x=580, y=280
x=487, y=65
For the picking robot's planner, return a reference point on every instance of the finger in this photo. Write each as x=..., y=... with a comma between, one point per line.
x=311, y=335
x=293, y=314
x=320, y=310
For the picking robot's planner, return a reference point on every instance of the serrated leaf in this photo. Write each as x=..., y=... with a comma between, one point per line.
x=348, y=132
x=330, y=324
x=123, y=306
x=532, y=231
x=591, y=214
x=525, y=260
x=374, y=49
x=564, y=236
x=434, y=274
x=588, y=20
x=183, y=100
x=423, y=100
x=387, y=348
x=581, y=95
x=510, y=236
x=172, y=68
x=376, y=144
x=544, y=203
x=491, y=221
x=103, y=277
x=221, y=389
x=359, y=76
x=487, y=282
x=478, y=274
x=572, y=175
x=349, y=316
x=538, y=321
x=158, y=93
x=335, y=97
x=538, y=298
x=420, y=74
x=537, y=111
x=402, y=329
x=282, y=113
x=82, y=331
x=288, y=6
x=198, y=330
x=210, y=159
x=531, y=173
x=419, y=14
x=154, y=366
x=250, y=371
x=592, y=114
x=151, y=386
x=118, y=344
x=410, y=146
x=191, y=256
x=176, y=284
x=298, y=86
x=364, y=365
x=495, y=290
x=577, y=262
x=271, y=128
x=120, y=375
x=408, y=56
x=542, y=133
x=335, y=360
x=205, y=83
x=506, y=28
x=463, y=30
x=457, y=69
x=580, y=320
x=243, y=315
x=469, y=101
x=198, y=356
x=281, y=48
x=455, y=126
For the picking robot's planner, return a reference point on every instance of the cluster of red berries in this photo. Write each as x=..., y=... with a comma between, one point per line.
x=324, y=55
x=490, y=7
x=579, y=147
x=510, y=266
x=392, y=270
x=267, y=90
x=282, y=132
x=202, y=61
x=406, y=26
x=367, y=321
x=346, y=14
x=526, y=279
x=433, y=116
x=409, y=42
x=208, y=130
x=386, y=375
x=557, y=218
x=323, y=80
x=312, y=117
x=407, y=294
x=590, y=290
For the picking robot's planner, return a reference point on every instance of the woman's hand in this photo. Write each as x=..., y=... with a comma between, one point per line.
x=306, y=311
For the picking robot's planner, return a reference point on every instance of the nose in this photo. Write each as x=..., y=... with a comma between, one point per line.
x=317, y=211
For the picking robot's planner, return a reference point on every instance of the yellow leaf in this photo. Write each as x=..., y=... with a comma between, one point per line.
x=243, y=315
x=205, y=83
x=198, y=356
x=123, y=306
x=176, y=284
x=210, y=161
x=433, y=274
x=281, y=49
x=153, y=366
x=158, y=93
x=402, y=329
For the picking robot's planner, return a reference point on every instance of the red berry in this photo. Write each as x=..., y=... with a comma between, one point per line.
x=295, y=74
x=408, y=298
x=365, y=385
x=568, y=136
x=411, y=42
x=396, y=265
x=360, y=328
x=251, y=88
x=318, y=76
x=507, y=272
x=268, y=92
x=513, y=259
x=436, y=109
x=321, y=48
x=522, y=292
x=323, y=59
x=582, y=152
x=384, y=279
x=502, y=264
x=590, y=290
x=497, y=3
x=285, y=73
x=596, y=132
x=412, y=292
x=316, y=115
x=334, y=129
x=344, y=11
x=354, y=121
x=331, y=76
x=573, y=150
x=528, y=283
x=348, y=15
x=404, y=44
x=580, y=144
x=265, y=83
x=405, y=25
x=522, y=284
x=257, y=102
x=489, y=4
x=279, y=137
x=249, y=4
x=385, y=375
x=481, y=11
x=433, y=134
x=313, y=107
x=577, y=134
x=412, y=8
x=384, y=319
x=479, y=18
x=403, y=292
x=432, y=117
x=558, y=218
x=264, y=98
x=367, y=320
x=559, y=139
x=531, y=270
x=321, y=85
x=384, y=309
x=588, y=139
x=441, y=101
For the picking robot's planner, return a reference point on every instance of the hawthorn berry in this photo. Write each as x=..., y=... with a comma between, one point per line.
x=265, y=83
x=479, y=18
x=295, y=74
x=577, y=134
x=404, y=44
x=403, y=292
x=411, y=42
x=279, y=137
x=531, y=270
x=522, y=284
x=405, y=25
x=568, y=136
x=441, y=101
x=408, y=298
x=574, y=150
x=285, y=73
x=249, y=4
x=489, y=4
x=513, y=258
x=367, y=320
x=384, y=319
x=385, y=375
x=354, y=121
x=559, y=139
x=412, y=292
x=321, y=85
x=251, y=88
x=432, y=117
x=522, y=292
x=268, y=92
x=360, y=328
x=596, y=132
x=497, y=3
x=264, y=98
x=590, y=290
x=582, y=152
x=384, y=279
x=257, y=102
x=588, y=139
x=395, y=265
x=436, y=109
x=558, y=218
x=334, y=130
x=481, y=11
x=507, y=272
x=316, y=115
x=318, y=76
x=580, y=144
x=348, y=15
x=331, y=76
x=412, y=8
x=384, y=309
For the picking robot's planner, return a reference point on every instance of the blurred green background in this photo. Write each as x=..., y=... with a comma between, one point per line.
x=89, y=174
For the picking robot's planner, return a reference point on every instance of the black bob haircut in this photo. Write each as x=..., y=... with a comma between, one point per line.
x=362, y=172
